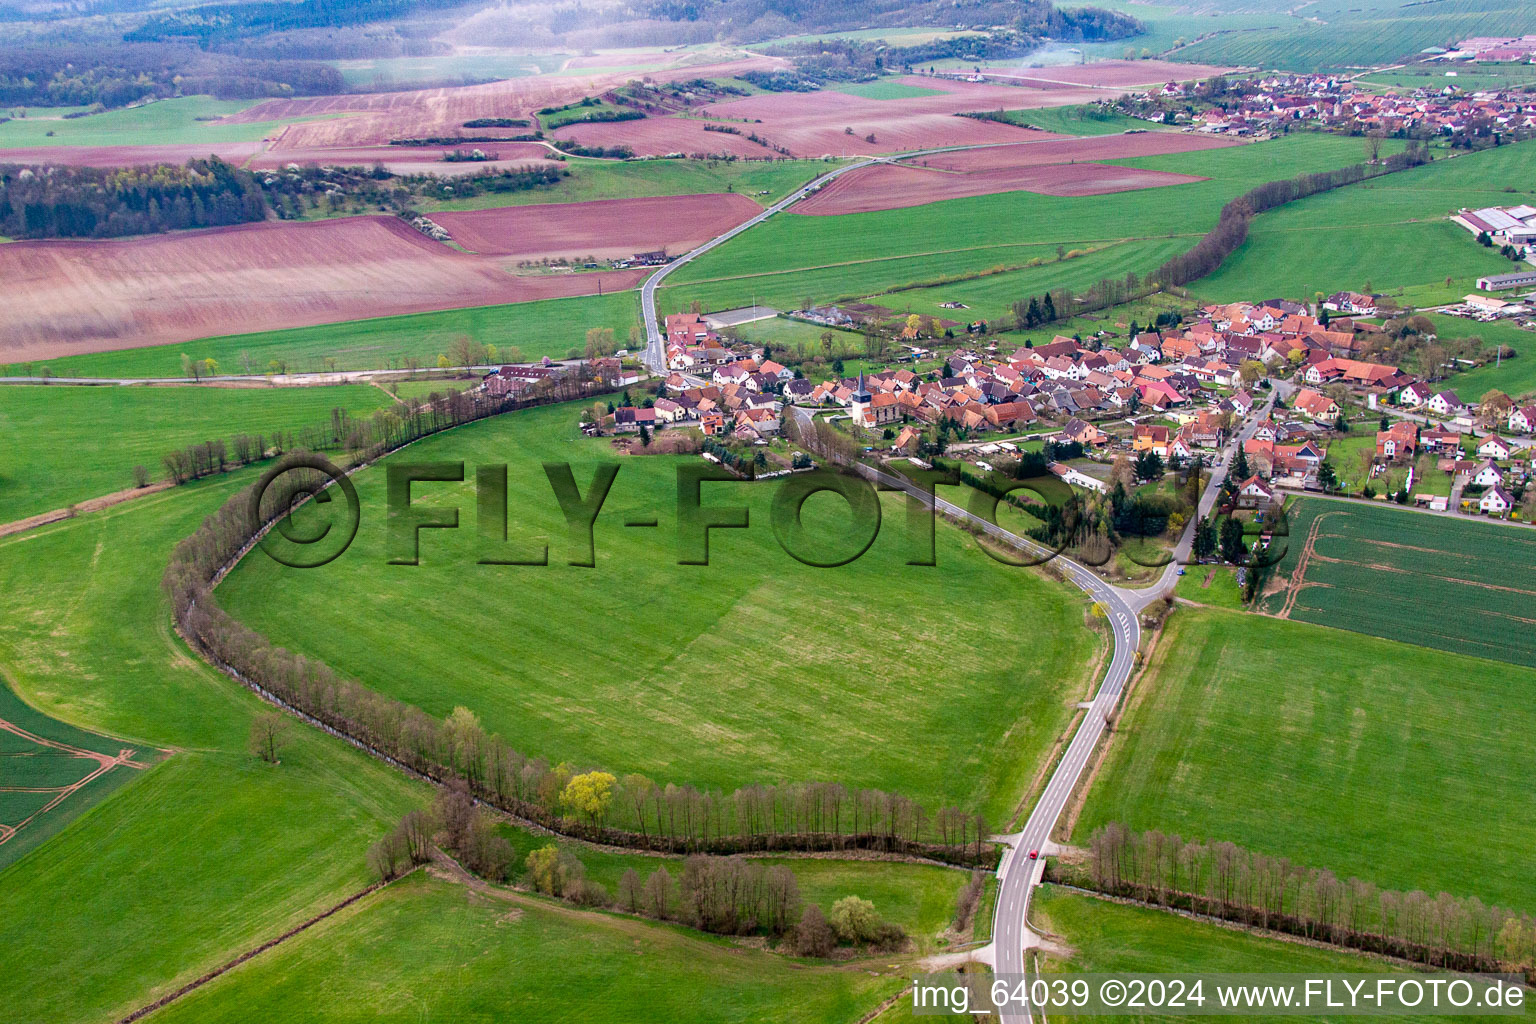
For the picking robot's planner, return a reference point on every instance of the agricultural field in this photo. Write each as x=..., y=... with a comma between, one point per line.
x=383, y=72
x=975, y=233
x=1076, y=120
x=1368, y=569
x=68, y=444
x=884, y=89
x=1355, y=34
x=51, y=773
x=549, y=327
x=71, y=297
x=517, y=957
x=193, y=859
x=1383, y=235
x=675, y=699
x=1468, y=77
x=1108, y=937
x=1353, y=748
x=608, y=179
x=1516, y=377
x=183, y=121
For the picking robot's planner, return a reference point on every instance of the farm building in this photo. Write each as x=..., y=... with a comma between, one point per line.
x=1504, y=282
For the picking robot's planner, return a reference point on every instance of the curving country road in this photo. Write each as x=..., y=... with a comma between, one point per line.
x=1017, y=874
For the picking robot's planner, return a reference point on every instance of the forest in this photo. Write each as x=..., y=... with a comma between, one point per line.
x=94, y=202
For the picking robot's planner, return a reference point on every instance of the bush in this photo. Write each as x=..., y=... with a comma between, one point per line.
x=813, y=936
x=854, y=919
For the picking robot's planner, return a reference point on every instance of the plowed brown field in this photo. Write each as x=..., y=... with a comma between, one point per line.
x=1055, y=166
x=603, y=228
x=62, y=298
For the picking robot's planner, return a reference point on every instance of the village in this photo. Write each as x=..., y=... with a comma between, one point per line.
x=1315, y=412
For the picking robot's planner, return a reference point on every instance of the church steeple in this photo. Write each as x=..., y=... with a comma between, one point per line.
x=859, y=394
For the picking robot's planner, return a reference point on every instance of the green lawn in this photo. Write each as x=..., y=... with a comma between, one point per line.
x=184, y=120
x=609, y=179
x=919, y=897
x=1114, y=938
x=1212, y=585
x=1376, y=566
x=544, y=327
x=426, y=950
x=65, y=444
x=1380, y=235
x=752, y=669
x=1467, y=77
x=1334, y=749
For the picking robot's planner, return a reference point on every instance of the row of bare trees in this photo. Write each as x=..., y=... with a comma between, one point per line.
x=1232, y=225
x=1230, y=882
x=634, y=811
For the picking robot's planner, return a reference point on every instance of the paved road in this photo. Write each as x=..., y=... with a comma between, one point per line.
x=655, y=346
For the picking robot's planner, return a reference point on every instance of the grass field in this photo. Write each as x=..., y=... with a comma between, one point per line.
x=1515, y=377
x=1468, y=77
x=1380, y=235
x=162, y=123
x=526, y=960
x=546, y=327
x=608, y=179
x=869, y=252
x=1212, y=585
x=1330, y=748
x=1115, y=938
x=66, y=444
x=39, y=753
x=381, y=72
x=883, y=90
x=919, y=897
x=1081, y=119
x=752, y=669
x=1373, y=570
x=193, y=860
x=1361, y=33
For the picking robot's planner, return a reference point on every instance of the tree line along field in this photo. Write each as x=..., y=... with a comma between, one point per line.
x=68, y=444
x=1108, y=937
x=1378, y=570
x=793, y=245
x=546, y=327
x=1393, y=763
x=1392, y=232
x=754, y=668
x=212, y=852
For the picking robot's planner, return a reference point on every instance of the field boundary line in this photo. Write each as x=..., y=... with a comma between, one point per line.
x=250, y=954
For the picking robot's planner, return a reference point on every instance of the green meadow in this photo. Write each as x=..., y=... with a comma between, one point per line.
x=825, y=257
x=1107, y=937
x=1334, y=749
x=919, y=897
x=425, y=949
x=546, y=327
x=1079, y=119
x=753, y=668
x=610, y=179
x=184, y=120
x=204, y=855
x=1382, y=235
x=65, y=444
x=1515, y=377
